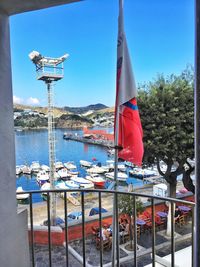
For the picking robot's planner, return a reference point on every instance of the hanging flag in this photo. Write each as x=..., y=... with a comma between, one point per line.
x=128, y=129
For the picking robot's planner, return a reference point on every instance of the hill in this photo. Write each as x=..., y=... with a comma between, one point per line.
x=81, y=110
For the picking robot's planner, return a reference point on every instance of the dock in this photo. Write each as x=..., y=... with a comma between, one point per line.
x=99, y=142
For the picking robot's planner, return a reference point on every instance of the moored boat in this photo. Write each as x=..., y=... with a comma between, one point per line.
x=96, y=169
x=70, y=165
x=96, y=180
x=82, y=182
x=120, y=176
x=85, y=163
x=63, y=173
x=21, y=196
x=35, y=166
x=26, y=170
x=42, y=177
x=18, y=170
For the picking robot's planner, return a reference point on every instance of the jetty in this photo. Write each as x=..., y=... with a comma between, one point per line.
x=99, y=142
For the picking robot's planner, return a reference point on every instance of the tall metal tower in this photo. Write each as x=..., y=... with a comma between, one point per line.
x=50, y=70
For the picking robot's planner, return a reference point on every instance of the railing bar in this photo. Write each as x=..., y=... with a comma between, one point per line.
x=100, y=231
x=153, y=232
x=193, y=229
x=83, y=227
x=135, y=230
x=109, y=191
x=32, y=232
x=172, y=234
x=117, y=230
x=66, y=230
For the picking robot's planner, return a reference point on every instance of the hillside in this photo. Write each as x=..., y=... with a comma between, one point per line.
x=36, y=117
x=57, y=111
x=81, y=110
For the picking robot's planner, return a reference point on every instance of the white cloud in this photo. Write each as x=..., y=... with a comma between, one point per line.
x=17, y=100
x=33, y=101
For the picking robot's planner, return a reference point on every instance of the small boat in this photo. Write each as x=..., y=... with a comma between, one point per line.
x=71, y=184
x=82, y=182
x=96, y=180
x=73, y=173
x=63, y=173
x=121, y=167
x=26, y=170
x=85, y=163
x=45, y=168
x=46, y=186
x=96, y=169
x=70, y=165
x=35, y=166
x=18, y=170
x=142, y=173
x=120, y=176
x=58, y=165
x=42, y=177
x=21, y=196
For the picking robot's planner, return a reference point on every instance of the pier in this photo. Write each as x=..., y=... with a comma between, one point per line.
x=99, y=142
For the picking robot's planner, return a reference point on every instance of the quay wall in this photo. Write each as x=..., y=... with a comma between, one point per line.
x=75, y=228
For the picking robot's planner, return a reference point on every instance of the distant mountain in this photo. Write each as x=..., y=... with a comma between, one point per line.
x=81, y=110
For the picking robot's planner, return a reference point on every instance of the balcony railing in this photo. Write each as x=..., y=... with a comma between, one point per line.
x=115, y=196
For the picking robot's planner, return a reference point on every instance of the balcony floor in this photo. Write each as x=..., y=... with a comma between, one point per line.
x=182, y=240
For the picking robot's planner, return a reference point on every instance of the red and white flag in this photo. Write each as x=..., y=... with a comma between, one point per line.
x=128, y=128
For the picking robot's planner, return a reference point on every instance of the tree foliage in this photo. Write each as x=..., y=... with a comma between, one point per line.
x=167, y=114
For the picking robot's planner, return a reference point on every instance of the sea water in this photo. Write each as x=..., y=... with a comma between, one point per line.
x=32, y=146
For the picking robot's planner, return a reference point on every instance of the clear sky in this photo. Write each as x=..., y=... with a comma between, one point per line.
x=160, y=36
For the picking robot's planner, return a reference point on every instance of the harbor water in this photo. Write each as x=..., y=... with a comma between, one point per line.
x=32, y=146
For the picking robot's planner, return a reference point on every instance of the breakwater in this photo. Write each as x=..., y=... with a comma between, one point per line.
x=99, y=142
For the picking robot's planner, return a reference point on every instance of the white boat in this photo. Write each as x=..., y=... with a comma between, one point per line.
x=26, y=169
x=21, y=196
x=96, y=169
x=63, y=173
x=46, y=186
x=61, y=185
x=110, y=164
x=120, y=176
x=121, y=167
x=96, y=180
x=70, y=165
x=142, y=173
x=58, y=165
x=18, y=170
x=35, y=166
x=82, y=182
x=42, y=177
x=45, y=168
x=71, y=184
x=73, y=173
x=85, y=163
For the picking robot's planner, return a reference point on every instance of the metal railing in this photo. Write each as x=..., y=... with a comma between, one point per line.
x=115, y=195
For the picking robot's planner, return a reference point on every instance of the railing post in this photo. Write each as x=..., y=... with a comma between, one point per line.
x=197, y=133
x=32, y=233
x=83, y=227
x=49, y=227
x=153, y=231
x=172, y=235
x=66, y=230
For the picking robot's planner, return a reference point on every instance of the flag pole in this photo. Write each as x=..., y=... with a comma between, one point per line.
x=115, y=240
x=114, y=222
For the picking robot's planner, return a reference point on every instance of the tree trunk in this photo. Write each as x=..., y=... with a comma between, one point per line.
x=171, y=193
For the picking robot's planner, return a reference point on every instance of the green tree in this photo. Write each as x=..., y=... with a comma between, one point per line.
x=126, y=206
x=167, y=114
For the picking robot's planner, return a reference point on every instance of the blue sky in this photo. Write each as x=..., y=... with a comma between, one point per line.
x=160, y=36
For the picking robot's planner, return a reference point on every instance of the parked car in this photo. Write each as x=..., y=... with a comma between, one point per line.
x=95, y=211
